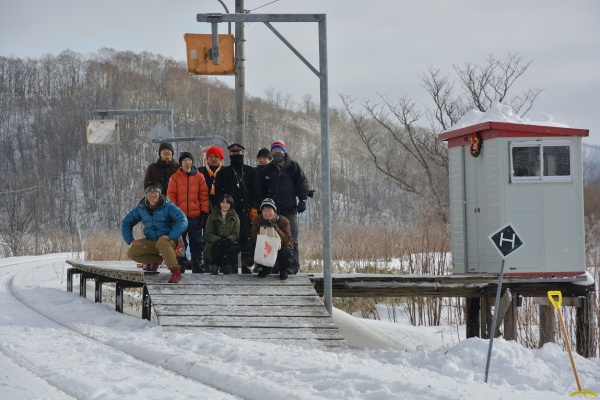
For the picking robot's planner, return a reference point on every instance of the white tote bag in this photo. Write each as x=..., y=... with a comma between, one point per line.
x=268, y=243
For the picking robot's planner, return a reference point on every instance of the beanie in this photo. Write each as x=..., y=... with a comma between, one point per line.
x=165, y=145
x=153, y=186
x=268, y=203
x=185, y=154
x=264, y=152
x=217, y=151
x=278, y=144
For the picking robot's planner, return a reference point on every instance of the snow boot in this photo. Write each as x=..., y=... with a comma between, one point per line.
x=264, y=272
x=246, y=270
x=175, y=275
x=154, y=266
x=197, y=267
x=283, y=275
x=214, y=269
x=226, y=269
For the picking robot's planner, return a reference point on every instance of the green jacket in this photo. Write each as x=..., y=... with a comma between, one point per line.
x=217, y=228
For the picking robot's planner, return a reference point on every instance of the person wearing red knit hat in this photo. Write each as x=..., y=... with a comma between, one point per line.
x=214, y=163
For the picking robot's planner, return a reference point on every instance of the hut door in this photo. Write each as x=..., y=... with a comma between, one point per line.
x=475, y=186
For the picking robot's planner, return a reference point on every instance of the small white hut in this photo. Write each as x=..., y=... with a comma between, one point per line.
x=527, y=175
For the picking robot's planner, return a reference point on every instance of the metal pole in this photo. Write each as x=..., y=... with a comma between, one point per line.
x=240, y=78
x=493, y=329
x=325, y=167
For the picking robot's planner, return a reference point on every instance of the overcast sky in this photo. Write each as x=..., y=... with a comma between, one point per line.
x=374, y=47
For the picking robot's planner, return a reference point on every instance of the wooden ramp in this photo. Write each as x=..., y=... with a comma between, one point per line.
x=244, y=306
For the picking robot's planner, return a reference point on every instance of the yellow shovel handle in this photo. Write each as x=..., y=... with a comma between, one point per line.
x=556, y=303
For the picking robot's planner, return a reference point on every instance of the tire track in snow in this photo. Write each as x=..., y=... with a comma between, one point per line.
x=96, y=348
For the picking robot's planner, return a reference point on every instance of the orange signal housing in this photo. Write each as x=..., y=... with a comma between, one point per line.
x=198, y=54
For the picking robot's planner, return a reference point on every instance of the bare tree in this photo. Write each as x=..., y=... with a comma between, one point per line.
x=412, y=156
x=16, y=217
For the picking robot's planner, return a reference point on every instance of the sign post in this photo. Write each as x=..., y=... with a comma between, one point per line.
x=507, y=241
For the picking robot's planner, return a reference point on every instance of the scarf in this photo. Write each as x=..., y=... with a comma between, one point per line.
x=213, y=175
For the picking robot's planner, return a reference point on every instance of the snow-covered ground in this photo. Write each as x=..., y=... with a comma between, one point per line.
x=57, y=345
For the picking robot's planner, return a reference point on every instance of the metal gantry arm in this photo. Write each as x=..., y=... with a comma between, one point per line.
x=321, y=73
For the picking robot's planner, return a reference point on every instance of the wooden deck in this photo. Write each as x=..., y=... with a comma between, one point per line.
x=240, y=306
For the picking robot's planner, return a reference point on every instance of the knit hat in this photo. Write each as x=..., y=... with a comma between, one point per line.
x=264, y=152
x=268, y=203
x=165, y=145
x=278, y=144
x=236, y=147
x=185, y=154
x=153, y=186
x=217, y=151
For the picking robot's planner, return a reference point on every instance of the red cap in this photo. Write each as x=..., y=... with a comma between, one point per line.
x=217, y=151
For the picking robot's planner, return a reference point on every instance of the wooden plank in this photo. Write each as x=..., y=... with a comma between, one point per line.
x=246, y=322
x=249, y=290
x=313, y=310
x=265, y=334
x=229, y=300
x=313, y=337
x=237, y=279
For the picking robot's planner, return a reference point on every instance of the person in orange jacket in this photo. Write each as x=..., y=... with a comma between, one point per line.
x=188, y=191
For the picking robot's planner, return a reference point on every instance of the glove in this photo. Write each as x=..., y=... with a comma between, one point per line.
x=301, y=206
x=253, y=214
x=203, y=218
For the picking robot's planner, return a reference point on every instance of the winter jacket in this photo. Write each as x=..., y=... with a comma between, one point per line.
x=188, y=191
x=218, y=228
x=284, y=185
x=159, y=173
x=165, y=219
x=243, y=184
x=282, y=227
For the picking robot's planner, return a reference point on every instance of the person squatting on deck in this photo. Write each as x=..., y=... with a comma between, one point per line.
x=163, y=224
x=268, y=218
x=188, y=191
x=222, y=232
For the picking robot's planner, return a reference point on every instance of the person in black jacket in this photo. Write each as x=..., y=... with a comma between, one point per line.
x=160, y=172
x=284, y=181
x=241, y=182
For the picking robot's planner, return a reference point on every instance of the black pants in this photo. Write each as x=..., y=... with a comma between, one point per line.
x=224, y=252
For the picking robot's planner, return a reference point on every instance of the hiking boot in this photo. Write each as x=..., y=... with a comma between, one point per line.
x=246, y=270
x=292, y=271
x=214, y=269
x=283, y=275
x=175, y=275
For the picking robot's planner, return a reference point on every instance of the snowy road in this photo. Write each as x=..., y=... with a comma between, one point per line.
x=96, y=363
x=55, y=344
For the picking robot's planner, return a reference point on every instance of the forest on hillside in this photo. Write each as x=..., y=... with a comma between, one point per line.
x=56, y=186
x=388, y=171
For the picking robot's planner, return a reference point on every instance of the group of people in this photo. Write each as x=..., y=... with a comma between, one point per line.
x=221, y=213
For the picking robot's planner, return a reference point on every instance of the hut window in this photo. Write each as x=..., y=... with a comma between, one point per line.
x=540, y=161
